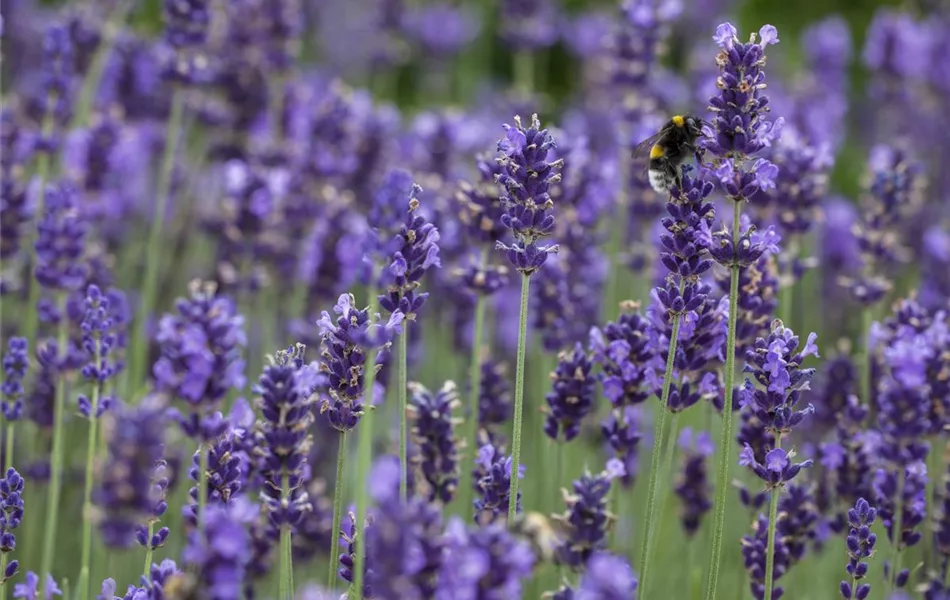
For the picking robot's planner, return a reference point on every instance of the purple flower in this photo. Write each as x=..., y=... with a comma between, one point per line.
x=186, y=22
x=30, y=589
x=608, y=577
x=415, y=251
x=684, y=248
x=282, y=441
x=99, y=335
x=404, y=547
x=493, y=484
x=441, y=30
x=586, y=521
x=913, y=497
x=200, y=354
x=775, y=364
x=219, y=552
x=54, y=102
x=483, y=563
x=751, y=246
x=130, y=487
x=849, y=460
x=693, y=487
x=621, y=429
x=778, y=468
x=896, y=189
x=527, y=178
x=224, y=474
x=433, y=429
x=494, y=396
x=11, y=513
x=754, y=553
x=60, y=241
x=572, y=395
x=15, y=365
x=798, y=520
x=860, y=544
x=740, y=128
x=345, y=344
x=623, y=351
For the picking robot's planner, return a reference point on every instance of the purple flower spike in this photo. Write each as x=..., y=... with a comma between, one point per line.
x=529, y=24
x=494, y=396
x=30, y=590
x=587, y=520
x=60, y=241
x=693, y=487
x=608, y=577
x=527, y=177
x=131, y=486
x=415, y=251
x=11, y=513
x=622, y=431
x=346, y=340
x=15, y=365
x=775, y=364
x=201, y=353
x=282, y=441
x=433, y=430
x=755, y=552
x=483, y=563
x=220, y=553
x=860, y=544
x=572, y=396
x=493, y=484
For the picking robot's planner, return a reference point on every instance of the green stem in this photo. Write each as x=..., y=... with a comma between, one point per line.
x=401, y=385
x=147, y=570
x=524, y=71
x=98, y=66
x=866, y=319
x=202, y=484
x=773, y=516
x=725, y=439
x=87, y=495
x=666, y=473
x=3, y=568
x=284, y=585
x=337, y=511
x=8, y=456
x=652, y=492
x=785, y=303
x=42, y=174
x=897, y=528
x=471, y=422
x=137, y=367
x=56, y=460
x=519, y=399
x=364, y=456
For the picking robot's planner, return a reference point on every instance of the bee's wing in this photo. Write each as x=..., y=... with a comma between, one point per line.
x=642, y=150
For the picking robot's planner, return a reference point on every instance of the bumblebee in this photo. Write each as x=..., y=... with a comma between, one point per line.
x=668, y=149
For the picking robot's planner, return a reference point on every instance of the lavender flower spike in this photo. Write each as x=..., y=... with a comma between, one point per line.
x=860, y=546
x=527, y=178
x=433, y=431
x=11, y=513
x=587, y=520
x=572, y=395
x=15, y=364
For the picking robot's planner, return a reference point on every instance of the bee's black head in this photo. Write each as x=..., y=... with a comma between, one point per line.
x=693, y=125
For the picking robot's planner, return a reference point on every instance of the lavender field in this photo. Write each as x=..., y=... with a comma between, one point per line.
x=381, y=299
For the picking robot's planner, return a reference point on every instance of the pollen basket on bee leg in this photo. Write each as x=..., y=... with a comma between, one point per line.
x=657, y=151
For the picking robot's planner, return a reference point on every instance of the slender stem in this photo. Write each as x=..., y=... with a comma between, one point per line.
x=337, y=511
x=98, y=66
x=3, y=568
x=652, y=492
x=472, y=417
x=401, y=385
x=866, y=318
x=56, y=460
x=147, y=569
x=666, y=473
x=725, y=439
x=284, y=586
x=519, y=399
x=87, y=495
x=8, y=455
x=364, y=456
x=897, y=528
x=785, y=303
x=137, y=367
x=773, y=516
x=42, y=174
x=202, y=484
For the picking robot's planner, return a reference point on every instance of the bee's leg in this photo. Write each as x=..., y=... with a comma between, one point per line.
x=678, y=177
